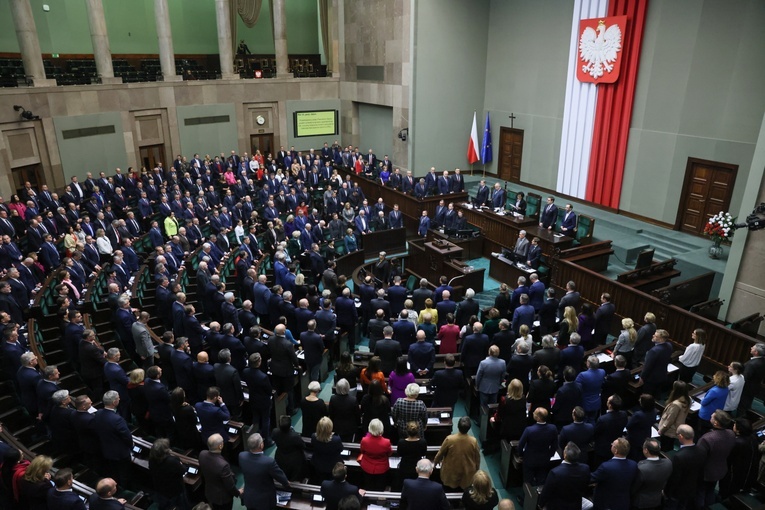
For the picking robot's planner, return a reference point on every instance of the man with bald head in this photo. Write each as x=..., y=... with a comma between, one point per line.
x=220, y=481
x=203, y=373
x=103, y=498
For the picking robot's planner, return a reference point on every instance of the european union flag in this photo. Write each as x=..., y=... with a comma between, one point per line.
x=486, y=148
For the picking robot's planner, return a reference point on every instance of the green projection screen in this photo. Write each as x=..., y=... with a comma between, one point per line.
x=316, y=123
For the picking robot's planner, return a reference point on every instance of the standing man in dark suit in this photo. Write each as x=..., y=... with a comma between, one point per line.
x=754, y=373
x=448, y=383
x=421, y=294
x=613, y=477
x=644, y=337
x=603, y=318
x=388, y=350
x=473, y=349
x=653, y=473
x=62, y=497
x=283, y=364
x=687, y=466
x=609, y=427
x=260, y=472
x=345, y=308
x=566, y=484
x=220, y=481
x=572, y=298
x=568, y=223
x=537, y=445
x=213, y=414
x=569, y=396
x=499, y=197
x=654, y=374
x=549, y=214
x=114, y=438
x=335, y=490
x=423, y=493
x=117, y=379
x=482, y=195
x=422, y=356
x=158, y=396
x=261, y=396
x=313, y=346
x=227, y=379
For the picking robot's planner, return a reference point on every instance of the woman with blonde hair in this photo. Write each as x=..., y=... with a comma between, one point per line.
x=481, y=494
x=429, y=308
x=139, y=404
x=326, y=448
x=511, y=414
x=625, y=344
x=34, y=485
x=375, y=450
x=568, y=325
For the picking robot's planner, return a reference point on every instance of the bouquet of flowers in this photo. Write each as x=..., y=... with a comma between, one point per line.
x=720, y=227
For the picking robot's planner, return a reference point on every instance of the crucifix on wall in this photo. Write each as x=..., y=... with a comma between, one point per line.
x=512, y=118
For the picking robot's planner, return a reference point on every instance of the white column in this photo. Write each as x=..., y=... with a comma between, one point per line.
x=100, y=38
x=280, y=39
x=26, y=33
x=165, y=38
x=223, y=15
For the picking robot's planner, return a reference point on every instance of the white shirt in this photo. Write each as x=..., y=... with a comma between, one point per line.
x=692, y=355
x=734, y=392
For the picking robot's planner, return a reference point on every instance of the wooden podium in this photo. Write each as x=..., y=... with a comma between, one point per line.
x=433, y=259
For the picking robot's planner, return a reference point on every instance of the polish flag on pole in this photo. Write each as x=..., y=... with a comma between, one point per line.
x=472, y=150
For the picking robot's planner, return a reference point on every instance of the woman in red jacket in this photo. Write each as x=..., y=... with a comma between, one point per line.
x=375, y=450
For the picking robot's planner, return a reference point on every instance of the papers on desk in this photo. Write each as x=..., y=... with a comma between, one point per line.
x=558, y=235
x=695, y=406
x=393, y=462
x=283, y=497
x=672, y=368
x=434, y=421
x=423, y=390
x=555, y=457
x=376, y=507
x=301, y=354
x=654, y=432
x=604, y=358
x=92, y=410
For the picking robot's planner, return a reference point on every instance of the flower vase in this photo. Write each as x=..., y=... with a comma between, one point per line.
x=716, y=250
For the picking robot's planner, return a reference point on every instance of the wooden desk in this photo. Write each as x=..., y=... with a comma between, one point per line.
x=497, y=236
x=428, y=263
x=444, y=250
x=504, y=270
x=472, y=247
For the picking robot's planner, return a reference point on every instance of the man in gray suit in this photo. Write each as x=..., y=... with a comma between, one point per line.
x=653, y=473
x=260, y=472
x=489, y=376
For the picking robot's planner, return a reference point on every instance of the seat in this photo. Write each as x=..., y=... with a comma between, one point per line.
x=585, y=226
x=410, y=283
x=533, y=202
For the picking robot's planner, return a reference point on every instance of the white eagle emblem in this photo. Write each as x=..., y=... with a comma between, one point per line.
x=600, y=49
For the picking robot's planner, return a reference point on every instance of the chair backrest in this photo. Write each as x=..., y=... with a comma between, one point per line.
x=585, y=227
x=410, y=283
x=533, y=204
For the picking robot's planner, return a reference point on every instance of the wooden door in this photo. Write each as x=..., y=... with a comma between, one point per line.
x=24, y=174
x=707, y=190
x=510, y=154
x=151, y=155
x=263, y=143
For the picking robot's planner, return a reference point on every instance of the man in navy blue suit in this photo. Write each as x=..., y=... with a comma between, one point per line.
x=260, y=472
x=423, y=493
x=498, y=197
x=422, y=229
x=27, y=378
x=613, y=477
x=333, y=491
x=118, y=380
x=473, y=349
x=566, y=484
x=580, y=433
x=569, y=396
x=568, y=223
x=422, y=356
x=213, y=414
x=313, y=347
x=345, y=308
x=549, y=214
x=158, y=396
x=103, y=498
x=114, y=438
x=654, y=374
x=609, y=427
x=537, y=445
x=61, y=497
x=259, y=386
x=444, y=183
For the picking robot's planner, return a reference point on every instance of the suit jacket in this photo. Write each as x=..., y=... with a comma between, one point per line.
x=228, y=380
x=404, y=332
x=499, y=198
x=113, y=434
x=565, y=487
x=754, y=372
x=27, y=379
x=423, y=494
x=473, y=350
x=220, y=481
x=447, y=383
x=388, y=351
x=213, y=419
x=548, y=216
x=333, y=492
x=64, y=500
x=538, y=443
x=603, y=318
x=572, y=299
x=260, y=471
x=422, y=356
x=608, y=427
x=649, y=483
x=491, y=372
x=612, y=478
x=580, y=433
x=656, y=361
x=591, y=381
x=97, y=503
x=687, y=466
x=568, y=397
x=159, y=401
